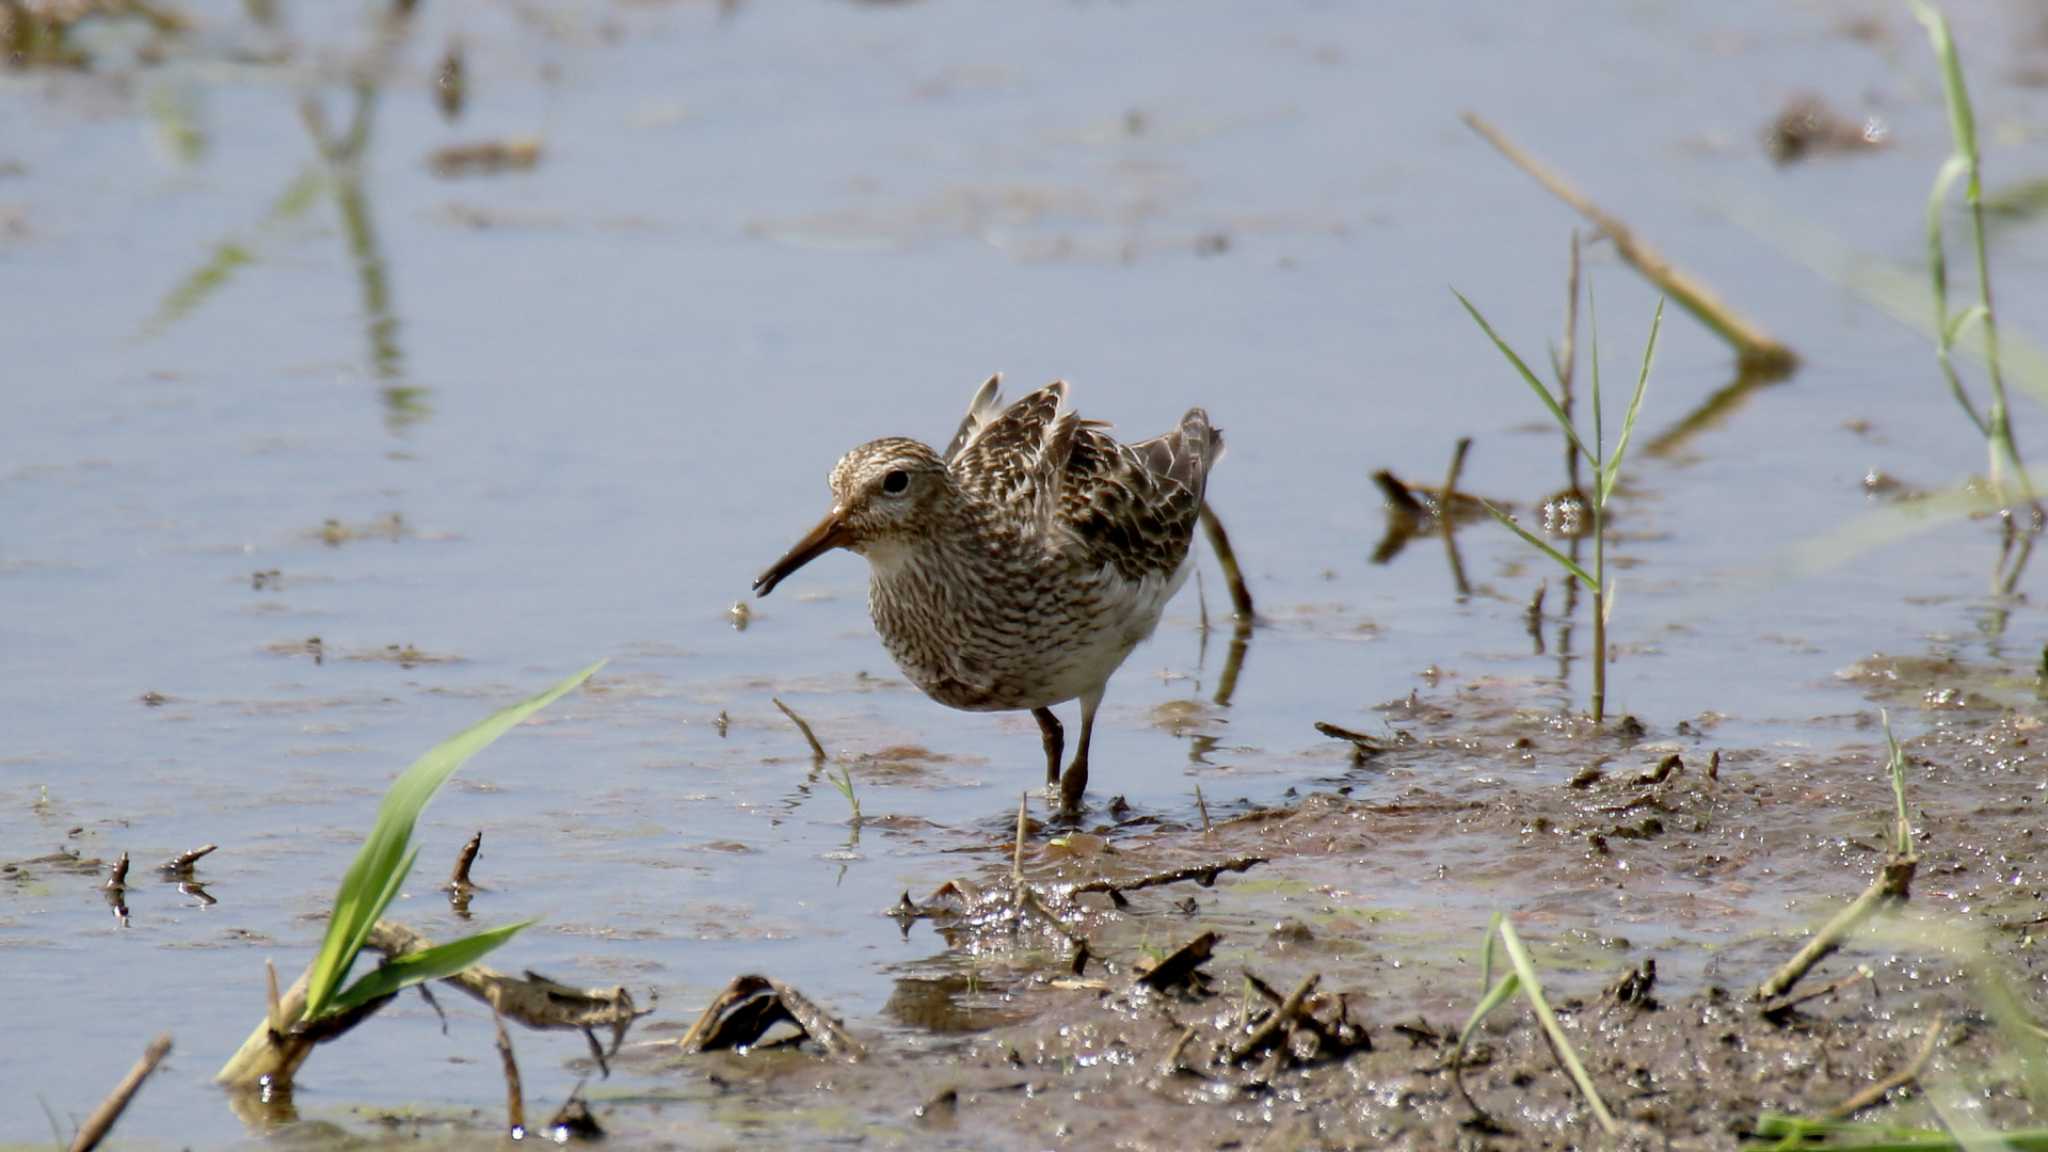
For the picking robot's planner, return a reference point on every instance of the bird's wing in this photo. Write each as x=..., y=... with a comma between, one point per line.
x=1135, y=505
x=981, y=412
x=1016, y=457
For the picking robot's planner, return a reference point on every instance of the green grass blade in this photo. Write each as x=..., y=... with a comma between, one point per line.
x=380, y=900
x=442, y=960
x=379, y=868
x=1525, y=968
x=1902, y=830
x=1563, y=560
x=1945, y=179
x=1962, y=121
x=1502, y=991
x=1535, y=385
x=1959, y=325
x=1486, y=955
x=1593, y=358
x=1635, y=405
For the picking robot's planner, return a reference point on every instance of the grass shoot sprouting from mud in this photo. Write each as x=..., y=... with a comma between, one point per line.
x=844, y=783
x=386, y=859
x=2008, y=476
x=1606, y=472
x=372, y=881
x=1521, y=977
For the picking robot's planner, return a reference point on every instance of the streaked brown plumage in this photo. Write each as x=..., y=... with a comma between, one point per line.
x=1018, y=569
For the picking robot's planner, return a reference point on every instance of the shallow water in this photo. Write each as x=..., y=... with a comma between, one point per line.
x=598, y=396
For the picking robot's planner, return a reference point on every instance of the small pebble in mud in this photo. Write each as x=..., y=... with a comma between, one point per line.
x=1876, y=483
x=154, y=699
x=1291, y=931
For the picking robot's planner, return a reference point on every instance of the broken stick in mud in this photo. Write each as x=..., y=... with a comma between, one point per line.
x=458, y=880
x=1206, y=874
x=515, y=1095
x=102, y=1120
x=183, y=862
x=810, y=737
x=273, y=1053
x=751, y=1005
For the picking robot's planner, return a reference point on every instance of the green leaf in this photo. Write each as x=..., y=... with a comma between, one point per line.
x=1525, y=969
x=1486, y=955
x=1951, y=170
x=1635, y=405
x=1962, y=122
x=1902, y=830
x=1960, y=324
x=1593, y=357
x=373, y=879
x=1542, y=393
x=442, y=960
x=1567, y=562
x=1502, y=990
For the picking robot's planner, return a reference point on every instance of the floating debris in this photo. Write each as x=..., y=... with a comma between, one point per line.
x=751, y=1006
x=486, y=157
x=1807, y=125
x=183, y=863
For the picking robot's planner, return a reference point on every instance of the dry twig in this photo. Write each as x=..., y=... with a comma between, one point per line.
x=102, y=1120
x=1875, y=1093
x=1204, y=873
x=1755, y=347
x=810, y=737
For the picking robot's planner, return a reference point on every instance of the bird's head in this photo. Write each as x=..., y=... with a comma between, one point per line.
x=884, y=494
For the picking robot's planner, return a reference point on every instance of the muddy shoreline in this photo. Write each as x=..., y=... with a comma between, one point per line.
x=1711, y=880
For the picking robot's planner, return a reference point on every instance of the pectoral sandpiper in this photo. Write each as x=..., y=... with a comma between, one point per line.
x=1018, y=569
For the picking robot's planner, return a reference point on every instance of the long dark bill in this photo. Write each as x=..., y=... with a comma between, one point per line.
x=829, y=534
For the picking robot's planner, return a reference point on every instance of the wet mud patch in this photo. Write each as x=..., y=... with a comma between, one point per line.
x=1299, y=975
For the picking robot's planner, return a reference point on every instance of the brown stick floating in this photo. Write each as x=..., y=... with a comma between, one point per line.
x=102, y=1120
x=1752, y=344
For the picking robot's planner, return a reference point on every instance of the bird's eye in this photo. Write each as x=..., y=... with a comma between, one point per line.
x=896, y=482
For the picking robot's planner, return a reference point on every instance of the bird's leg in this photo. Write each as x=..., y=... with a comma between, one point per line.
x=1055, y=742
x=1075, y=782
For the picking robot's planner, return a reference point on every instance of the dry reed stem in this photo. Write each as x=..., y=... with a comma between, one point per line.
x=810, y=737
x=1753, y=346
x=102, y=1120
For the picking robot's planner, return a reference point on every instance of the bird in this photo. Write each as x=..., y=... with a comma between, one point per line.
x=1018, y=569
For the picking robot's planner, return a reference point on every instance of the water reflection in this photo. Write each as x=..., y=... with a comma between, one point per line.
x=338, y=174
